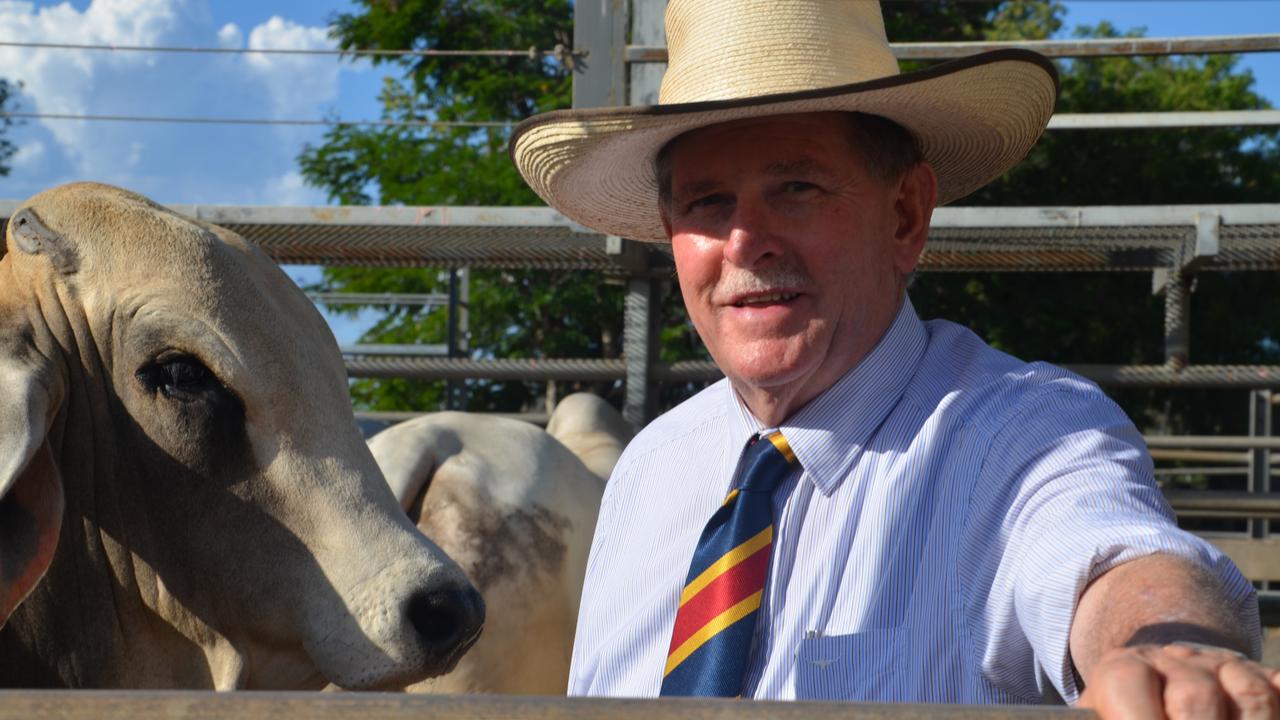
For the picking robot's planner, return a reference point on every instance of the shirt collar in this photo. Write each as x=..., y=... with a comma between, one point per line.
x=829, y=432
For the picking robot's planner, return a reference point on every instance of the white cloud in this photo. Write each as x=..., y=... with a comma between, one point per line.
x=295, y=82
x=174, y=163
x=135, y=154
x=230, y=36
x=28, y=156
x=290, y=189
x=85, y=81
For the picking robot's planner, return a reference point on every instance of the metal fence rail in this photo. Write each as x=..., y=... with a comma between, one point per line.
x=1076, y=48
x=1208, y=503
x=1096, y=238
x=425, y=367
x=156, y=705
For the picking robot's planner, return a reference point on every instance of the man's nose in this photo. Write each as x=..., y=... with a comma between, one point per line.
x=752, y=238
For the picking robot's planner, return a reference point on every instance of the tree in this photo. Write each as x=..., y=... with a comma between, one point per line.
x=1056, y=317
x=7, y=148
x=1113, y=317
x=514, y=313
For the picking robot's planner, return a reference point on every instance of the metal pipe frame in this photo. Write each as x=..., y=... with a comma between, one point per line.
x=533, y=369
x=1093, y=47
x=1213, y=442
x=408, y=299
x=392, y=350
x=1177, y=320
x=1159, y=120
x=463, y=217
x=1259, y=456
x=396, y=416
x=1206, y=503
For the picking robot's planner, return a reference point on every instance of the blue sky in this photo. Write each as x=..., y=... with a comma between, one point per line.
x=257, y=165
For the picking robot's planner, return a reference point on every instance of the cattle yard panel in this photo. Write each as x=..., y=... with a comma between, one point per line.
x=1173, y=242
x=187, y=705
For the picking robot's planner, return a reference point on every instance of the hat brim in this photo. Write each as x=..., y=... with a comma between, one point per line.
x=974, y=119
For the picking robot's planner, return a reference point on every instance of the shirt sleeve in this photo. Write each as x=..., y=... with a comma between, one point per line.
x=1066, y=493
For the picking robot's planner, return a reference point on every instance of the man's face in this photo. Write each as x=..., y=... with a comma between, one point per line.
x=791, y=254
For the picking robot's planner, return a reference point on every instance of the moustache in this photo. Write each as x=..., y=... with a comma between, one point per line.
x=785, y=276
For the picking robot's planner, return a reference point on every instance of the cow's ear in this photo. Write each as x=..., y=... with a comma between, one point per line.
x=31, y=499
x=32, y=237
x=407, y=457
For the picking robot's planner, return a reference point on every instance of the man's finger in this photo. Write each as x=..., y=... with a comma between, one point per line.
x=1273, y=675
x=1191, y=690
x=1250, y=693
x=1125, y=688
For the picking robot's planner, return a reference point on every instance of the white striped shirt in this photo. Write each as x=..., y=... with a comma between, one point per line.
x=953, y=502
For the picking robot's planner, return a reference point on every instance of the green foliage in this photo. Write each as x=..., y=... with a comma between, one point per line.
x=1113, y=317
x=7, y=148
x=513, y=313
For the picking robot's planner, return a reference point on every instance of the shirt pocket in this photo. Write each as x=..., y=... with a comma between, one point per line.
x=861, y=666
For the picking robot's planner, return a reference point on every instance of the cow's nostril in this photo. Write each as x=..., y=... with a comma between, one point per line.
x=447, y=621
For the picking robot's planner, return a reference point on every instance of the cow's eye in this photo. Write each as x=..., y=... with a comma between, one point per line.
x=180, y=377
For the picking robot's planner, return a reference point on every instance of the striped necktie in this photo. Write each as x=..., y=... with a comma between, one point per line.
x=721, y=600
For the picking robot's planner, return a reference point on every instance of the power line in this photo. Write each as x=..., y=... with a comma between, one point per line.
x=256, y=121
x=559, y=52
x=1060, y=121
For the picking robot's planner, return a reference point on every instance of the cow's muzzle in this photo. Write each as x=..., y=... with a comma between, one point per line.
x=448, y=622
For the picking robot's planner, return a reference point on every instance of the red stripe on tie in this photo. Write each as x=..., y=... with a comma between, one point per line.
x=724, y=592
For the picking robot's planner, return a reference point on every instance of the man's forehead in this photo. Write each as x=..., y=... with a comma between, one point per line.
x=807, y=123
x=770, y=141
x=697, y=178
x=691, y=173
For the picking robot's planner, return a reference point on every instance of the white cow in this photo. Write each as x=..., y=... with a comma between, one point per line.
x=516, y=509
x=185, y=500
x=592, y=429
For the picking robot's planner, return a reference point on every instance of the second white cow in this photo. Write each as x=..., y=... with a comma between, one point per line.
x=516, y=509
x=590, y=427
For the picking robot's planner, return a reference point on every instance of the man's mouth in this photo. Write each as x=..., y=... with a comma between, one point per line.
x=767, y=299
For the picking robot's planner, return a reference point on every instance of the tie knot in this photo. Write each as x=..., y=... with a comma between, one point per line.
x=767, y=460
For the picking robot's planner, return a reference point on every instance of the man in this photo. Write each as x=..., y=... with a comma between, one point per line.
x=869, y=507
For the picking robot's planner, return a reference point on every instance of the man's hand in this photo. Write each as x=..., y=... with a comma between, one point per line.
x=1181, y=681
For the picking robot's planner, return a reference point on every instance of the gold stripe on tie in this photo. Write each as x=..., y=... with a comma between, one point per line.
x=726, y=563
x=744, y=608
x=784, y=448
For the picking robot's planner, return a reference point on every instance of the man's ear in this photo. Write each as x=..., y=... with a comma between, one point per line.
x=31, y=495
x=917, y=196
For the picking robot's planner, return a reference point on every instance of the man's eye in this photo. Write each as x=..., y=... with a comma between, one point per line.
x=798, y=186
x=708, y=201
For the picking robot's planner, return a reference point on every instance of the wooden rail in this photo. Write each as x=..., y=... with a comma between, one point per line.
x=184, y=705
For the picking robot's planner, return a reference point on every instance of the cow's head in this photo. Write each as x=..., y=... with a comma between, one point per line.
x=176, y=405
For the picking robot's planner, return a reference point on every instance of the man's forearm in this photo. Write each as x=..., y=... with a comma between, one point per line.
x=1154, y=600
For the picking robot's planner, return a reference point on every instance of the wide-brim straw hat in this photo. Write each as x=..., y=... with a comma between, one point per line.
x=728, y=60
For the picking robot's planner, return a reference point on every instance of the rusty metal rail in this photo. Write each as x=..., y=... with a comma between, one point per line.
x=437, y=368
x=155, y=705
x=961, y=239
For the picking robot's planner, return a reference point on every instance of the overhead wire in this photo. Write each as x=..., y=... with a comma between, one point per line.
x=560, y=51
x=258, y=121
